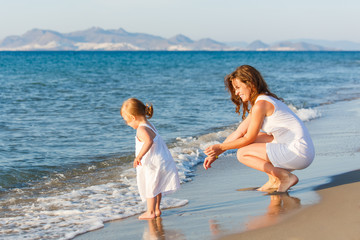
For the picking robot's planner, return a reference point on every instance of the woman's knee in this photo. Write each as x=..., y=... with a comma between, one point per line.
x=241, y=155
x=257, y=150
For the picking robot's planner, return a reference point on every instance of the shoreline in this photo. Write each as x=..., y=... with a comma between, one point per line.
x=336, y=216
x=218, y=210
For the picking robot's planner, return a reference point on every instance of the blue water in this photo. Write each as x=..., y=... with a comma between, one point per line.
x=60, y=127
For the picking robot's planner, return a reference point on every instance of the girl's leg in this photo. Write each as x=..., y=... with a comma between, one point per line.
x=150, y=212
x=157, y=205
x=254, y=156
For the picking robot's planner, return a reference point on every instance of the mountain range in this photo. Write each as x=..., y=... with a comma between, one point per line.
x=98, y=39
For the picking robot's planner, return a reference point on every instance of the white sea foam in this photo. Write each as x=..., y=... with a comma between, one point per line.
x=65, y=214
x=305, y=114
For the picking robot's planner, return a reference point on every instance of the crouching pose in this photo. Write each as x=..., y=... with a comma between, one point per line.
x=283, y=145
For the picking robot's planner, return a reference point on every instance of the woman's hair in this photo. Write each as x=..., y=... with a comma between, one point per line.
x=253, y=79
x=137, y=108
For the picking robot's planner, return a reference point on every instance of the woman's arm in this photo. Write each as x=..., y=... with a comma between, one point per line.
x=254, y=122
x=145, y=135
x=240, y=131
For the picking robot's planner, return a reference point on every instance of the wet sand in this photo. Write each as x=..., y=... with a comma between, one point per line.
x=325, y=204
x=337, y=216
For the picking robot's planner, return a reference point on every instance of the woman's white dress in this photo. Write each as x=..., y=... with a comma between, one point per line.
x=292, y=147
x=158, y=172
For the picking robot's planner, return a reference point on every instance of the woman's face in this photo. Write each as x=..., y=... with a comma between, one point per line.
x=242, y=90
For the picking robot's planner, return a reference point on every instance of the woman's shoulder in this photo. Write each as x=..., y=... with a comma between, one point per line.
x=267, y=103
x=265, y=97
x=268, y=98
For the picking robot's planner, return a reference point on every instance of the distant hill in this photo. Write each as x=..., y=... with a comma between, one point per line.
x=339, y=45
x=257, y=46
x=98, y=39
x=297, y=46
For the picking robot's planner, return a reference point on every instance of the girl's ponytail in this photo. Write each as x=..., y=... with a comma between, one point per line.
x=137, y=108
x=149, y=110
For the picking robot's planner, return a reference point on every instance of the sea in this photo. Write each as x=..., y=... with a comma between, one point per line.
x=66, y=154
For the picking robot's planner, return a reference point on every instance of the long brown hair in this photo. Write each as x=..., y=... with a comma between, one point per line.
x=253, y=79
x=137, y=108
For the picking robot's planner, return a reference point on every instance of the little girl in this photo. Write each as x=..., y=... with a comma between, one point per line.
x=156, y=170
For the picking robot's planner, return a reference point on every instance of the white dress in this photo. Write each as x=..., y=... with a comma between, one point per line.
x=292, y=147
x=158, y=172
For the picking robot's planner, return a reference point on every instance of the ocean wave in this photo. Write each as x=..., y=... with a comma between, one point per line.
x=65, y=215
x=59, y=207
x=305, y=114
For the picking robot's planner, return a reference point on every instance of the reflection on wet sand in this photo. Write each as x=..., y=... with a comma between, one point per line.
x=280, y=204
x=156, y=231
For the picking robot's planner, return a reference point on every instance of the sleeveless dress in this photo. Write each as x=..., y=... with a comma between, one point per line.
x=158, y=172
x=292, y=147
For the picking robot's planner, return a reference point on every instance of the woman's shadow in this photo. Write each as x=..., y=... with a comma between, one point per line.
x=280, y=204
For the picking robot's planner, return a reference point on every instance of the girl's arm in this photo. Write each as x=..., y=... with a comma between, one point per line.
x=145, y=135
x=239, y=138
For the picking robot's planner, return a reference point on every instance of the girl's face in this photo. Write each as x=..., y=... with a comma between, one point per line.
x=129, y=119
x=242, y=90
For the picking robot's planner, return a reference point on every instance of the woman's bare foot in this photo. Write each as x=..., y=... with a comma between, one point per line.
x=265, y=187
x=157, y=212
x=147, y=215
x=269, y=185
x=287, y=182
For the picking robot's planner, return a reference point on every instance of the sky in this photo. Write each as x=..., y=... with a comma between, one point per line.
x=221, y=20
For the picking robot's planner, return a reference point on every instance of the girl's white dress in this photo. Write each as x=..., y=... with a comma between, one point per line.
x=292, y=147
x=158, y=172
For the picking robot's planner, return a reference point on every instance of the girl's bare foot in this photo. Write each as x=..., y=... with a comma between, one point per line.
x=287, y=182
x=147, y=215
x=158, y=213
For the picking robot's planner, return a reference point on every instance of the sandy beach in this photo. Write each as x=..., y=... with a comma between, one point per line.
x=222, y=205
x=337, y=216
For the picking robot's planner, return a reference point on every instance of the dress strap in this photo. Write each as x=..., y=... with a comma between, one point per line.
x=148, y=126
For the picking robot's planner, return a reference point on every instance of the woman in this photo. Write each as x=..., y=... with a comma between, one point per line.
x=283, y=146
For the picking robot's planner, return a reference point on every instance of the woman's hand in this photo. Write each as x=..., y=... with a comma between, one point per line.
x=214, y=150
x=208, y=161
x=137, y=162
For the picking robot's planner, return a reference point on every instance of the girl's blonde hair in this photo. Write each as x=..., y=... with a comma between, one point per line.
x=253, y=79
x=137, y=108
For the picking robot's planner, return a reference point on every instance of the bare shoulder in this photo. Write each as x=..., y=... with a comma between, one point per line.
x=260, y=106
x=144, y=131
x=263, y=106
